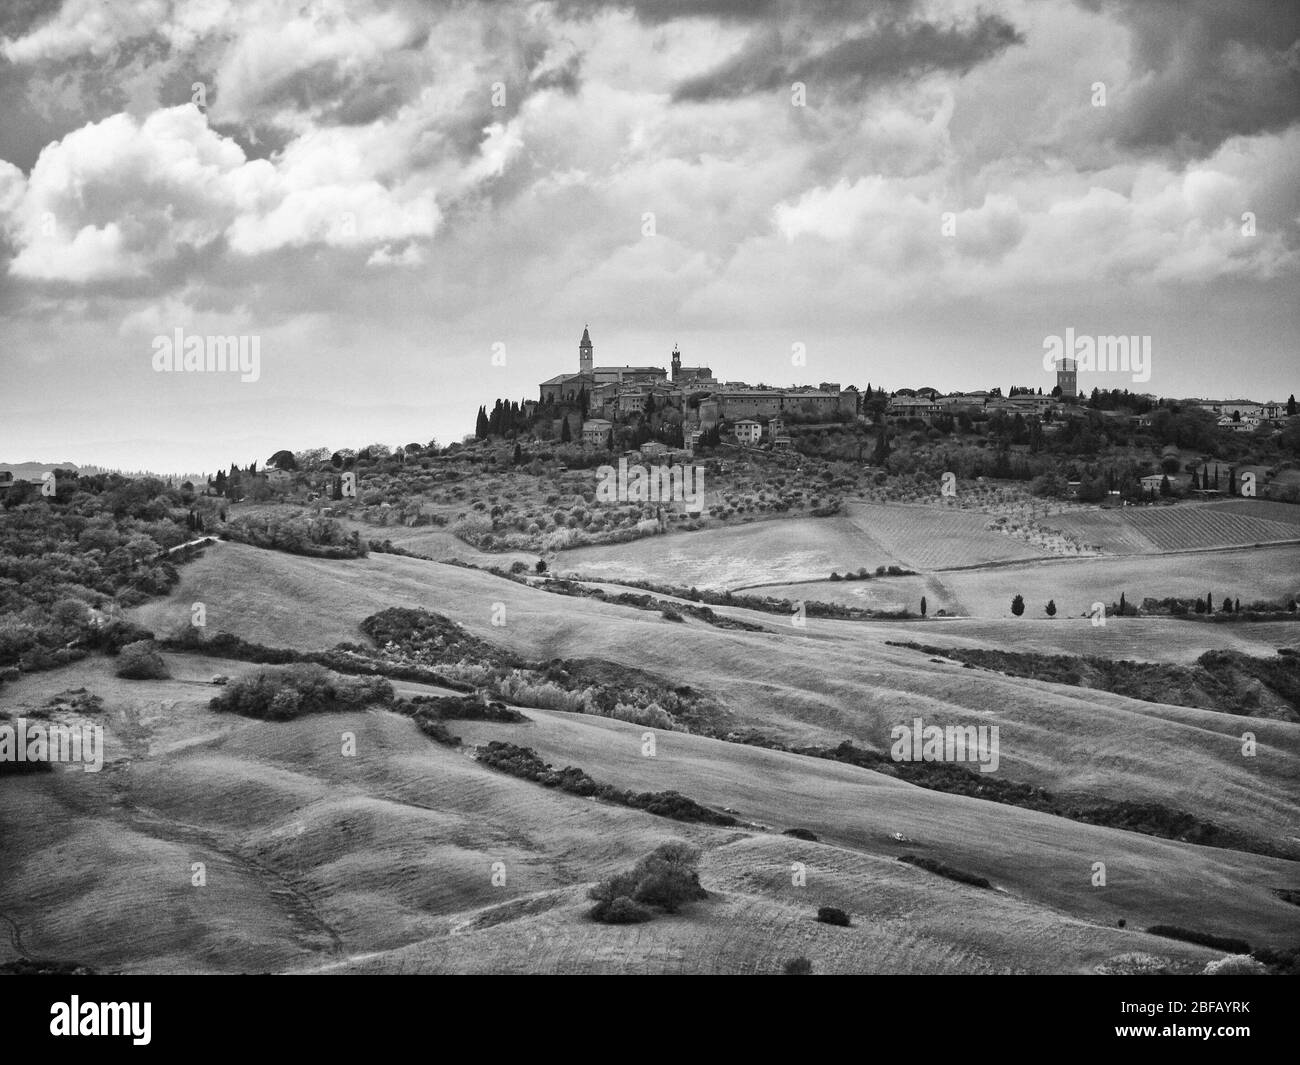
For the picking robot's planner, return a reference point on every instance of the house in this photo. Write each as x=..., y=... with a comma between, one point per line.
x=747, y=431
x=653, y=449
x=1242, y=423
x=775, y=428
x=1152, y=482
x=911, y=407
x=595, y=431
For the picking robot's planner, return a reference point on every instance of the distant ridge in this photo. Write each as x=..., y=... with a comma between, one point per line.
x=28, y=470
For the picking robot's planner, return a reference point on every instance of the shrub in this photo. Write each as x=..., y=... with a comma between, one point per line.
x=833, y=915
x=801, y=833
x=938, y=868
x=1283, y=962
x=621, y=910
x=1235, y=965
x=798, y=967
x=669, y=614
x=664, y=879
x=285, y=692
x=667, y=877
x=1134, y=963
x=141, y=661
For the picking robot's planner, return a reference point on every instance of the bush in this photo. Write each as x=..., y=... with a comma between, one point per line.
x=665, y=879
x=1235, y=965
x=801, y=833
x=833, y=915
x=141, y=661
x=285, y=692
x=621, y=910
x=1280, y=962
x=938, y=868
x=798, y=967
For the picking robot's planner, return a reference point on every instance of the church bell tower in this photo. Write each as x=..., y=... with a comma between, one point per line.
x=585, y=352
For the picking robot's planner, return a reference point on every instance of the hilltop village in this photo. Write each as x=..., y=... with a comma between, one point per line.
x=658, y=410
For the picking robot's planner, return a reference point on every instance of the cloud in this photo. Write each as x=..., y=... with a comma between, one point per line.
x=891, y=48
x=1206, y=70
x=121, y=199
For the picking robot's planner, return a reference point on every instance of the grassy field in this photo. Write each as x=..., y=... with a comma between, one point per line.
x=826, y=682
x=1269, y=574
x=384, y=861
x=799, y=548
x=866, y=535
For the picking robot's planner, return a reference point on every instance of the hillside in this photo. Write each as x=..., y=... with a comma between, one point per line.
x=392, y=868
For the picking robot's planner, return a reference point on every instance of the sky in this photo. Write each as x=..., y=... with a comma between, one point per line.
x=415, y=207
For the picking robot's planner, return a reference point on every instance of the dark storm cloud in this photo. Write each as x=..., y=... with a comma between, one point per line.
x=20, y=17
x=1215, y=69
x=894, y=48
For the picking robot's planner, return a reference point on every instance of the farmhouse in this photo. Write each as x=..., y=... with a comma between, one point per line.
x=747, y=431
x=595, y=431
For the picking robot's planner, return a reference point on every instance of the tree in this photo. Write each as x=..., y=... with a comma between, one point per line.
x=1051, y=608
x=519, y=455
x=566, y=435
x=1122, y=604
x=141, y=661
x=1236, y=606
x=882, y=448
x=481, y=424
x=1018, y=605
x=282, y=460
x=1290, y=405
x=1209, y=603
x=541, y=565
x=1165, y=488
x=922, y=606
x=1232, y=481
